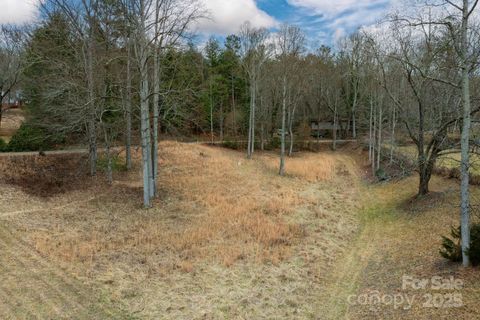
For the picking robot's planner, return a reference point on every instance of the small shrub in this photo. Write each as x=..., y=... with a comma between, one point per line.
x=117, y=163
x=381, y=174
x=451, y=246
x=32, y=138
x=3, y=145
x=474, y=252
x=231, y=145
x=276, y=142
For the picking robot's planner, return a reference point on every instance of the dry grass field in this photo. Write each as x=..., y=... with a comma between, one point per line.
x=227, y=239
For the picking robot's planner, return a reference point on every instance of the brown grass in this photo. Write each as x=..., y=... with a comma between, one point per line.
x=229, y=238
x=308, y=166
x=219, y=217
x=45, y=176
x=232, y=210
x=407, y=238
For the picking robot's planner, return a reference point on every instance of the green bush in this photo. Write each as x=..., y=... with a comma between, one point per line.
x=231, y=145
x=276, y=142
x=117, y=163
x=381, y=174
x=451, y=246
x=32, y=138
x=3, y=145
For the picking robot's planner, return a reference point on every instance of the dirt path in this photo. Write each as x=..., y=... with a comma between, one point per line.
x=345, y=277
x=120, y=149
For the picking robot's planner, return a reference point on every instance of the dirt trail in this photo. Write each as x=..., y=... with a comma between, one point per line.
x=346, y=275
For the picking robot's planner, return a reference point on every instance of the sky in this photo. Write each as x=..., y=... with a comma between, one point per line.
x=324, y=21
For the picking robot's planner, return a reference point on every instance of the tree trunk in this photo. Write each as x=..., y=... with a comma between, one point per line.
x=234, y=109
x=128, y=107
x=156, y=100
x=374, y=135
x=211, y=110
x=250, y=124
x=91, y=126
x=465, y=147
x=109, y=156
x=425, y=176
x=284, y=116
x=1, y=108
x=254, y=106
x=262, y=136
x=370, y=133
x=221, y=122
x=142, y=56
x=145, y=134
x=380, y=129
x=290, y=131
x=392, y=138
x=334, y=145
x=354, y=118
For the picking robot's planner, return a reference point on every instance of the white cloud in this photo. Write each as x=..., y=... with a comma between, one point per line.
x=344, y=16
x=18, y=11
x=331, y=8
x=226, y=16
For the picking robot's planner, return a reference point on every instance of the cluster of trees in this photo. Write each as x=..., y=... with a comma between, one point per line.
x=102, y=69
x=94, y=69
x=11, y=47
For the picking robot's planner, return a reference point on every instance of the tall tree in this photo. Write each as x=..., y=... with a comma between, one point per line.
x=12, y=45
x=255, y=51
x=290, y=44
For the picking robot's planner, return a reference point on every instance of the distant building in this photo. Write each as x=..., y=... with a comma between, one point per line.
x=325, y=128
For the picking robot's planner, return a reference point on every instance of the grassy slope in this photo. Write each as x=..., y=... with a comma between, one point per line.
x=230, y=239
x=404, y=239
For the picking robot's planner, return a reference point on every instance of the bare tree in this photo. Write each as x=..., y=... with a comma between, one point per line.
x=453, y=18
x=82, y=16
x=354, y=53
x=254, y=51
x=459, y=28
x=290, y=44
x=157, y=25
x=11, y=64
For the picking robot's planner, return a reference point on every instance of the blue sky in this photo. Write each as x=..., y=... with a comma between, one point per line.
x=324, y=21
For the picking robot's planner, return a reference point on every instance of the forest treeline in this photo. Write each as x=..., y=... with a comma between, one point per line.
x=107, y=72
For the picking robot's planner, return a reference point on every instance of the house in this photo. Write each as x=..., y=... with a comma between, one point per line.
x=325, y=128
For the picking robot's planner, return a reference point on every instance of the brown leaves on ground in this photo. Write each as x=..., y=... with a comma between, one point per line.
x=45, y=176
